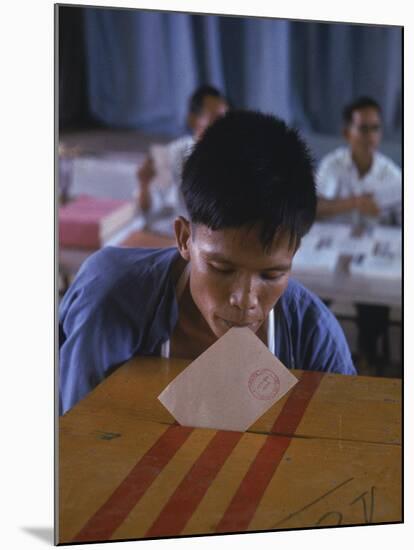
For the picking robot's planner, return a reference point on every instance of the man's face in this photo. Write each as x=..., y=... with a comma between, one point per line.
x=233, y=281
x=213, y=108
x=364, y=132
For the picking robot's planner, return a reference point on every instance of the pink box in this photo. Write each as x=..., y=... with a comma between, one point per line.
x=88, y=221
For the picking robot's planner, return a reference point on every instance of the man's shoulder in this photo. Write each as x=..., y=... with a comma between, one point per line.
x=181, y=144
x=296, y=294
x=317, y=336
x=112, y=263
x=115, y=274
x=337, y=157
x=303, y=306
x=386, y=165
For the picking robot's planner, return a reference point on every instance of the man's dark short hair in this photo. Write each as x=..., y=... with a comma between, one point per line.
x=250, y=168
x=196, y=101
x=363, y=102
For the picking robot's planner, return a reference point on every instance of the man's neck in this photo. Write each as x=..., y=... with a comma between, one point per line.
x=191, y=335
x=363, y=163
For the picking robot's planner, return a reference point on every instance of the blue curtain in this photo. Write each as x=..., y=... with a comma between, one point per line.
x=142, y=66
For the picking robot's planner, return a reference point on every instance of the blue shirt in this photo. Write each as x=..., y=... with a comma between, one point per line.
x=123, y=303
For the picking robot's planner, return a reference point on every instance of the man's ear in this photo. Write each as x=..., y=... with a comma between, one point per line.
x=345, y=132
x=191, y=122
x=182, y=229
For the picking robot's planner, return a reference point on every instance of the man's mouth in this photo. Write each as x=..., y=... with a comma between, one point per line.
x=231, y=324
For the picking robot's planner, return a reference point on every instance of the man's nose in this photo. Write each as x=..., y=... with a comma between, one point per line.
x=244, y=294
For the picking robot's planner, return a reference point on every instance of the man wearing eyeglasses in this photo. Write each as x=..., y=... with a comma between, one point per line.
x=357, y=184
x=360, y=186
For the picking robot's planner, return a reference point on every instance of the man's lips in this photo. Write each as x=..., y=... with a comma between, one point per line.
x=231, y=324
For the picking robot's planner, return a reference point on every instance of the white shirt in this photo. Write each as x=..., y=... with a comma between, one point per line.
x=338, y=178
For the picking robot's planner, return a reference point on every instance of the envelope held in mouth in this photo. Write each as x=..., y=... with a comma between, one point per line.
x=230, y=385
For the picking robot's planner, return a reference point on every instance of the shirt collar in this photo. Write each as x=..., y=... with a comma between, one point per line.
x=349, y=163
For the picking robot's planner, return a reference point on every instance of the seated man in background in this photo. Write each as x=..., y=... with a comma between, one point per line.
x=360, y=186
x=357, y=184
x=249, y=190
x=162, y=198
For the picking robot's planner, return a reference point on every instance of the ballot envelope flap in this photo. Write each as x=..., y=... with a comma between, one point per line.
x=230, y=385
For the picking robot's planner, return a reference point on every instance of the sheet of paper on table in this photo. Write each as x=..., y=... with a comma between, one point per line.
x=391, y=235
x=230, y=385
x=383, y=259
x=320, y=248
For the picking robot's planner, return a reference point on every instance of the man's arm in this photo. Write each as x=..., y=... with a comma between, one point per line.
x=332, y=207
x=144, y=176
x=365, y=204
x=95, y=330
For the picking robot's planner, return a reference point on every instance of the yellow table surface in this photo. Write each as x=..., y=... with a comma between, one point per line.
x=360, y=408
x=126, y=470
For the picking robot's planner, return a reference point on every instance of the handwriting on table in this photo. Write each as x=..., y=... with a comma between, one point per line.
x=365, y=500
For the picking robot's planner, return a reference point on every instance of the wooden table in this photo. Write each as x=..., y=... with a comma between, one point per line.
x=343, y=284
x=147, y=239
x=345, y=287
x=328, y=453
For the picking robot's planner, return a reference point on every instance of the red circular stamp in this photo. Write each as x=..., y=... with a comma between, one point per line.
x=264, y=384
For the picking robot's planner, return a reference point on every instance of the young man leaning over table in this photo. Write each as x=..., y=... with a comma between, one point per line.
x=249, y=189
x=360, y=186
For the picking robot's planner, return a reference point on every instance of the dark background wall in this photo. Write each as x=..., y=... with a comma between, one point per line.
x=123, y=68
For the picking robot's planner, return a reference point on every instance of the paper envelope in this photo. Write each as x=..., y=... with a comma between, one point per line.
x=230, y=385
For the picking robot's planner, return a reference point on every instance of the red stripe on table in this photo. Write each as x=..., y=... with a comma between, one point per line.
x=113, y=512
x=193, y=487
x=295, y=407
x=246, y=500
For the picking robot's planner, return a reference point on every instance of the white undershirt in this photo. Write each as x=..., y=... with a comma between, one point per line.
x=182, y=281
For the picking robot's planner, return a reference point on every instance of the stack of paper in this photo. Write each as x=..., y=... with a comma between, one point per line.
x=104, y=177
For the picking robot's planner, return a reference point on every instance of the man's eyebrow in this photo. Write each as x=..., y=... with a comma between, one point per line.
x=279, y=267
x=219, y=258
x=215, y=256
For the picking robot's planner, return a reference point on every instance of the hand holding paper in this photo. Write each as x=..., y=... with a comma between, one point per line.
x=230, y=385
